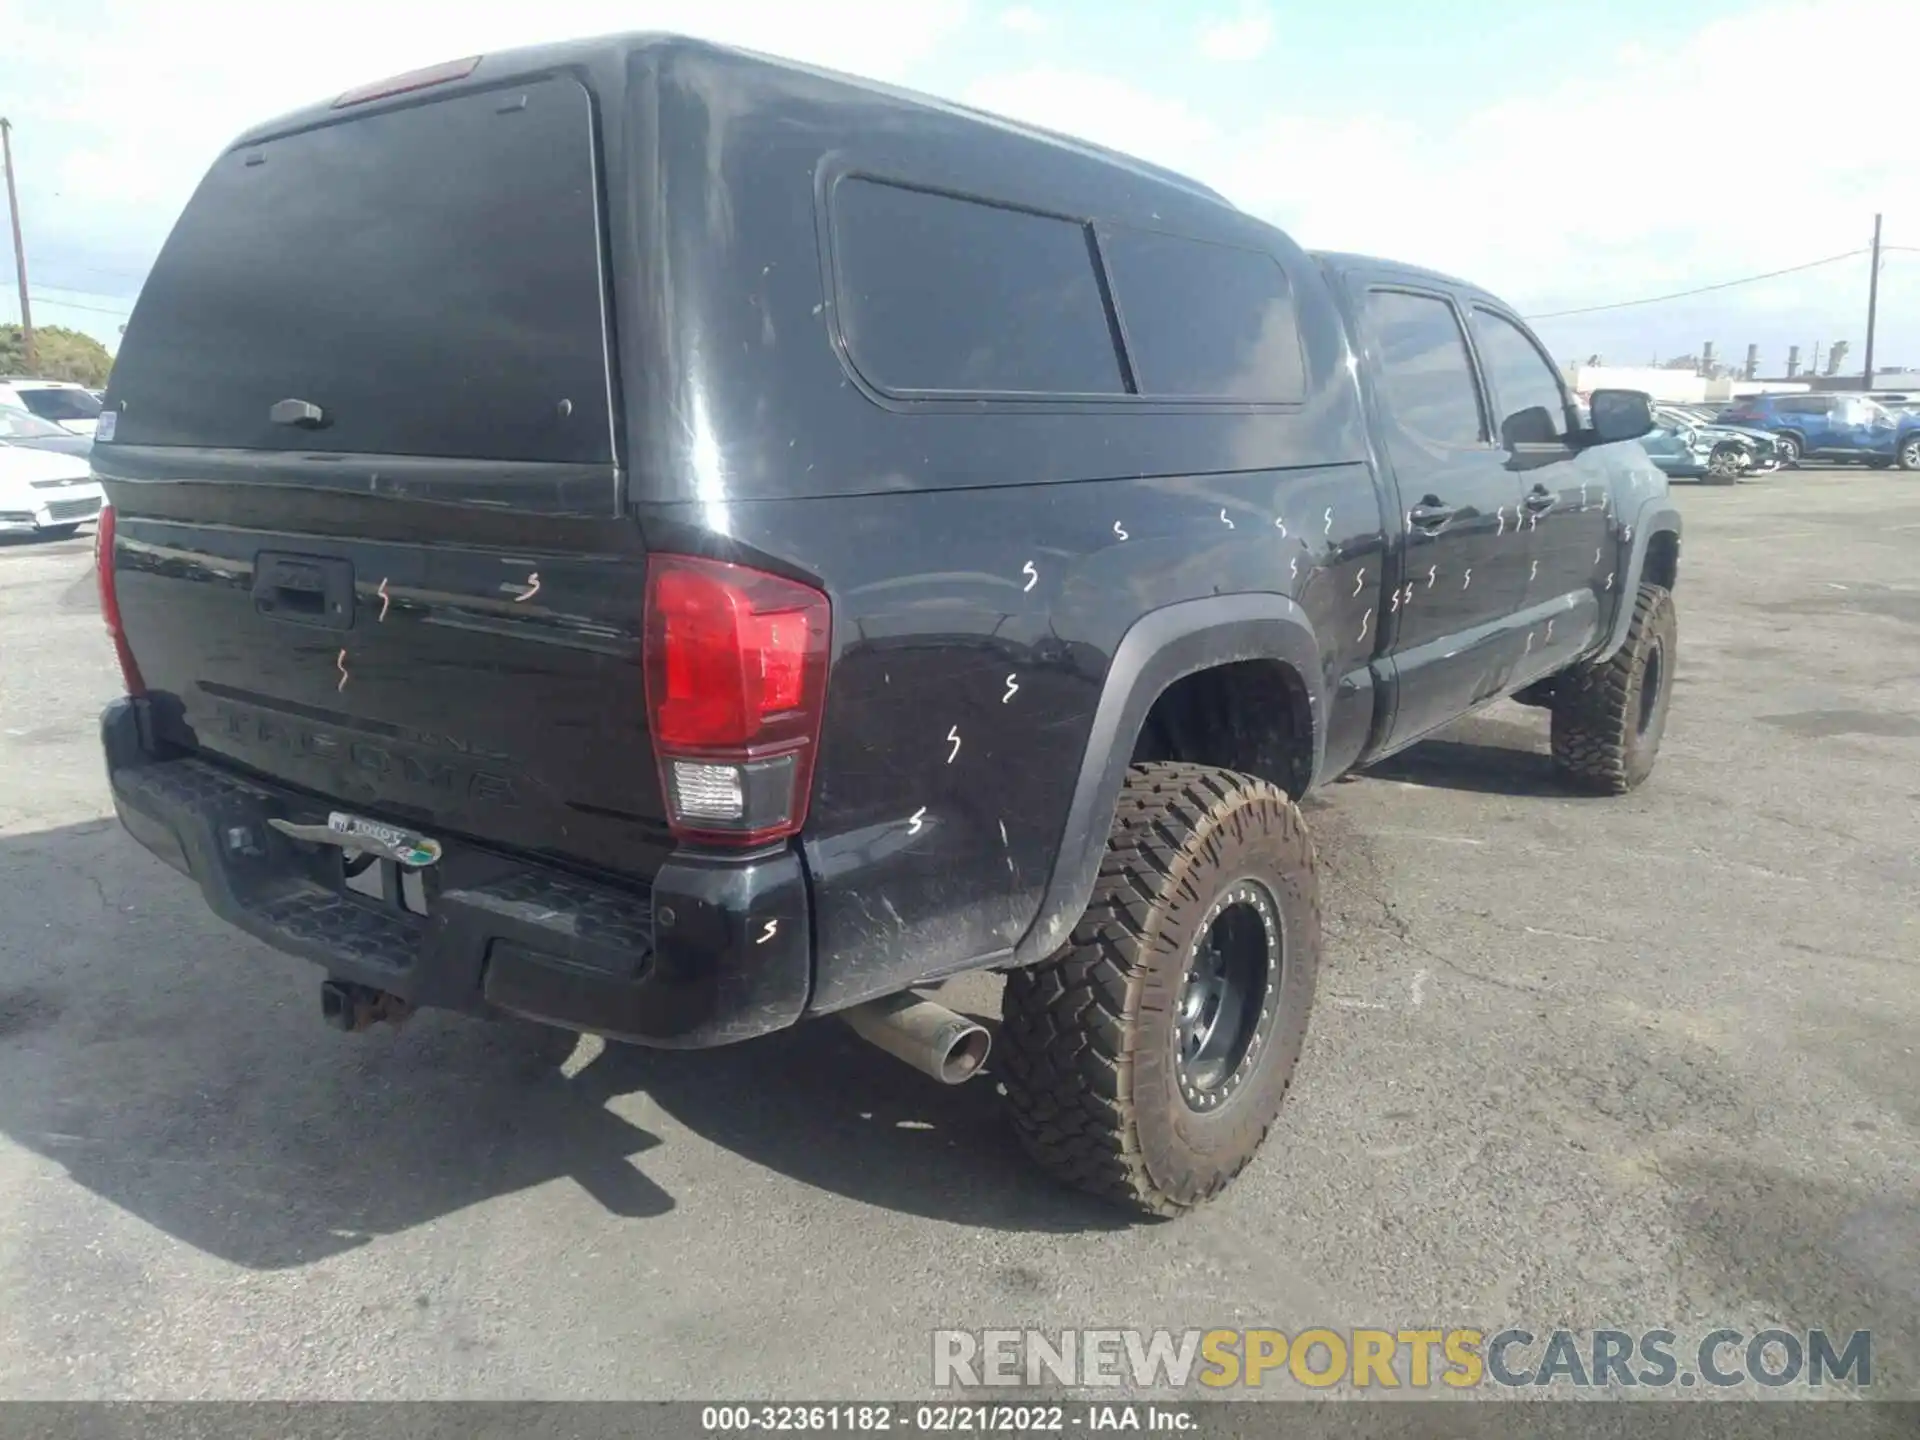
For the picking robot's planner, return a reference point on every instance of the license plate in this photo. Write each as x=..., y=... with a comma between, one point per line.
x=373, y=837
x=403, y=847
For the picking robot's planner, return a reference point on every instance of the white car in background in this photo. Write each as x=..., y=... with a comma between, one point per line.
x=25, y=429
x=74, y=408
x=46, y=493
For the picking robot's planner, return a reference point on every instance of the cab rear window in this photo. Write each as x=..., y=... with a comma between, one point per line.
x=429, y=278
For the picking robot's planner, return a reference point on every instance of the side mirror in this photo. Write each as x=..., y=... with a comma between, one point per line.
x=1620, y=415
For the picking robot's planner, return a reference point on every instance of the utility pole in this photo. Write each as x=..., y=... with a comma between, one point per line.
x=19, y=247
x=1873, y=302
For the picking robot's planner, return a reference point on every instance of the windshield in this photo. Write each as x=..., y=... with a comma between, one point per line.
x=17, y=424
x=59, y=403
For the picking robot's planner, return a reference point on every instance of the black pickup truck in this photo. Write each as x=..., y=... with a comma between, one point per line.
x=672, y=544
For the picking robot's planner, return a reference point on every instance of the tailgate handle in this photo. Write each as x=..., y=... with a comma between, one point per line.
x=304, y=589
x=304, y=413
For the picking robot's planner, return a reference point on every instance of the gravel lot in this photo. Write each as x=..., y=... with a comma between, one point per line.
x=1633, y=1063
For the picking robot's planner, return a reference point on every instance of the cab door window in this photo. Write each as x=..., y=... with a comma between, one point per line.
x=1528, y=397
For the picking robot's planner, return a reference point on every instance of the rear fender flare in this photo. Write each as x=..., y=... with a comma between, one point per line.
x=1160, y=648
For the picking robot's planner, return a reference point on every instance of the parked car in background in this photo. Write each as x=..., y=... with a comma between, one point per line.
x=1833, y=427
x=72, y=407
x=1731, y=453
x=24, y=428
x=45, y=493
x=1683, y=452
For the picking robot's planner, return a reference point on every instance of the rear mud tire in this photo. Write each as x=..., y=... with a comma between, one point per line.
x=1090, y=1047
x=1608, y=719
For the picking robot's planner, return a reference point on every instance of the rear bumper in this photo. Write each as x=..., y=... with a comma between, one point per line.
x=716, y=951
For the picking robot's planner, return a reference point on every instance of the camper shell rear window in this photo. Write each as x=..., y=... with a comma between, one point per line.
x=429, y=277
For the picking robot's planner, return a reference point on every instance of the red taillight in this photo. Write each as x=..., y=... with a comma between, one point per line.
x=110, y=601
x=736, y=666
x=412, y=80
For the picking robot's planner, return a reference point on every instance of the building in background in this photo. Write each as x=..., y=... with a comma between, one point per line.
x=1702, y=378
x=1675, y=386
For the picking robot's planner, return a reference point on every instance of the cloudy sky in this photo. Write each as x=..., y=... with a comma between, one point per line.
x=1563, y=154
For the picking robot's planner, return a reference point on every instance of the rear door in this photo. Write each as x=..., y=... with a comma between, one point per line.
x=371, y=531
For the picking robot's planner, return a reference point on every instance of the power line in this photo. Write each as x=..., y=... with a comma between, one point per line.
x=75, y=305
x=92, y=309
x=41, y=290
x=40, y=285
x=1706, y=289
x=123, y=312
x=116, y=274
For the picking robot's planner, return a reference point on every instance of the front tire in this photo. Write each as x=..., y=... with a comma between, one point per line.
x=1909, y=457
x=1146, y=1060
x=1608, y=719
x=1725, y=465
x=1791, y=449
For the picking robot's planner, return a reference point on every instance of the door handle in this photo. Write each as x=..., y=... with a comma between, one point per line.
x=302, y=413
x=1539, y=499
x=1430, y=514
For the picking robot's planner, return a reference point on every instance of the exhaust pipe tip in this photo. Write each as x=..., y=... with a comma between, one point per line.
x=967, y=1055
x=349, y=1008
x=336, y=1005
x=933, y=1039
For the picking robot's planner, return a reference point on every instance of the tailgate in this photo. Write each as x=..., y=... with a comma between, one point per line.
x=467, y=689
x=371, y=539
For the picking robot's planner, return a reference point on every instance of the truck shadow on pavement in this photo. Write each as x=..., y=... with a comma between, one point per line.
x=180, y=1071
x=1500, y=754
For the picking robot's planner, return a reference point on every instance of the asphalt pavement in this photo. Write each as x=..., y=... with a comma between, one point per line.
x=1634, y=1063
